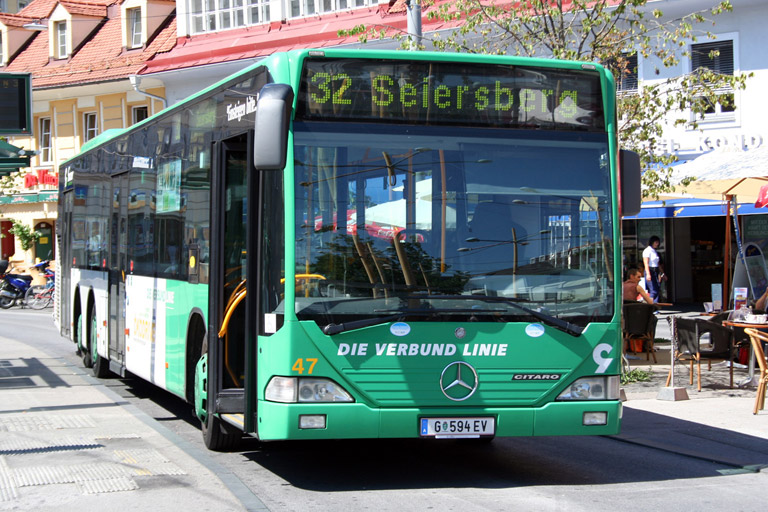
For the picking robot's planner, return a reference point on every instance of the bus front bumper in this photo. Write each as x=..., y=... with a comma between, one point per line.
x=278, y=421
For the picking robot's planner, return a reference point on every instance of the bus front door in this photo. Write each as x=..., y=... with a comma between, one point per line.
x=118, y=240
x=230, y=382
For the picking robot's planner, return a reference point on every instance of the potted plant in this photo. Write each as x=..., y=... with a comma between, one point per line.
x=27, y=237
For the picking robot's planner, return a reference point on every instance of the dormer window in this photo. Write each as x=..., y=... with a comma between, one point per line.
x=60, y=34
x=134, y=27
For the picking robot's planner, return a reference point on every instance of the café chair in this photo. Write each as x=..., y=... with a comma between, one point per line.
x=757, y=338
x=640, y=328
x=696, y=339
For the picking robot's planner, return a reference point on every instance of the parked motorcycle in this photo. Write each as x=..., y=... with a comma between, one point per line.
x=13, y=287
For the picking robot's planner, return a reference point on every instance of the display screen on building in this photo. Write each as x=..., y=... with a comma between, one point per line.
x=15, y=104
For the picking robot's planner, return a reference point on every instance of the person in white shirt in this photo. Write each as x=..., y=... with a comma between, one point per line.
x=651, y=264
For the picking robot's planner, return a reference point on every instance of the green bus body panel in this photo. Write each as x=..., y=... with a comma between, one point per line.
x=350, y=421
x=187, y=298
x=392, y=392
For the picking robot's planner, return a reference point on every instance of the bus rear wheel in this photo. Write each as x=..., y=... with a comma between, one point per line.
x=83, y=350
x=99, y=364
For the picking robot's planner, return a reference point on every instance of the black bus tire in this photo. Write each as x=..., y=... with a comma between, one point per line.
x=100, y=364
x=218, y=435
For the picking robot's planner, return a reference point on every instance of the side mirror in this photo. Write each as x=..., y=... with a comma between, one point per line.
x=631, y=196
x=273, y=117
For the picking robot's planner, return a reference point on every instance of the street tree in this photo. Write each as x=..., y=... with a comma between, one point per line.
x=611, y=32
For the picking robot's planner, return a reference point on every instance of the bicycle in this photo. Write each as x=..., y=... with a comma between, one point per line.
x=41, y=296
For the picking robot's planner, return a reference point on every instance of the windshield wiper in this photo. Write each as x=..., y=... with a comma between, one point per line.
x=557, y=323
x=332, y=328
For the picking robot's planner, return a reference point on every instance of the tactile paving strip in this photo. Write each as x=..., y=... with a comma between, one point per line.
x=46, y=475
x=27, y=423
x=7, y=486
x=111, y=485
x=28, y=446
x=148, y=462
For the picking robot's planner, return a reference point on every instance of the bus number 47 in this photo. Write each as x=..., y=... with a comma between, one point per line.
x=299, y=367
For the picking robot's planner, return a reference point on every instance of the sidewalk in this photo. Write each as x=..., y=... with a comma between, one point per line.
x=69, y=443
x=714, y=424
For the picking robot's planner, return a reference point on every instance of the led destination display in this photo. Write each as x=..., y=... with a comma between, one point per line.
x=465, y=94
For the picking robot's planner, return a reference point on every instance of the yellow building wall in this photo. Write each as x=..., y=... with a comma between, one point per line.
x=67, y=137
x=111, y=108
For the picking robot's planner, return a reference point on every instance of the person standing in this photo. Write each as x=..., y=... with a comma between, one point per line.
x=651, y=264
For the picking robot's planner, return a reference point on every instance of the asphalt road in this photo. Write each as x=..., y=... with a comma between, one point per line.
x=550, y=473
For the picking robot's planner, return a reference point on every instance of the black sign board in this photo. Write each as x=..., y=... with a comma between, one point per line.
x=15, y=104
x=453, y=93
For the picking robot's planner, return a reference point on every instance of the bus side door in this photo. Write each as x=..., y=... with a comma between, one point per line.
x=118, y=240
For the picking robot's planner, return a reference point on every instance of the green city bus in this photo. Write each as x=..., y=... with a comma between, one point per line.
x=336, y=244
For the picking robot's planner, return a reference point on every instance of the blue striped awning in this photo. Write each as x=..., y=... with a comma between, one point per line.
x=690, y=207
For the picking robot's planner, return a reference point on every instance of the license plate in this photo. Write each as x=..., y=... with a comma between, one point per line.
x=446, y=428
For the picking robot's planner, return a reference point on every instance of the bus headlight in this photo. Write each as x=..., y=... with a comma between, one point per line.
x=305, y=390
x=592, y=388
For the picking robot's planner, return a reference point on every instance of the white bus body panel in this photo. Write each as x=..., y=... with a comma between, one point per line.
x=145, y=320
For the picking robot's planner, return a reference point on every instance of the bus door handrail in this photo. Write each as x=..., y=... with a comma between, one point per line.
x=234, y=300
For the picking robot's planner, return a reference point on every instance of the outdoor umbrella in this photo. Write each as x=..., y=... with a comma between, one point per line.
x=725, y=172
x=731, y=175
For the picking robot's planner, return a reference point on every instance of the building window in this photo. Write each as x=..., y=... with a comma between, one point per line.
x=626, y=82
x=139, y=114
x=44, y=141
x=60, y=30
x=90, y=125
x=299, y=8
x=134, y=27
x=717, y=57
x=214, y=15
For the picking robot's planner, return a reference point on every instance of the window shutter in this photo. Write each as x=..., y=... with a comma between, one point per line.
x=723, y=63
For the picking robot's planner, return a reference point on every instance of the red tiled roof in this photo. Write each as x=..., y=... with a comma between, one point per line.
x=259, y=41
x=14, y=20
x=38, y=9
x=86, y=9
x=101, y=58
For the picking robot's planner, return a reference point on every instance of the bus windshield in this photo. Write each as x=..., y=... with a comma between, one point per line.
x=429, y=222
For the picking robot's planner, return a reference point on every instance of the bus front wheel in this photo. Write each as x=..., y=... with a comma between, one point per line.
x=218, y=435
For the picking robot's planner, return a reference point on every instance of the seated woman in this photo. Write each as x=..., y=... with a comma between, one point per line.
x=632, y=289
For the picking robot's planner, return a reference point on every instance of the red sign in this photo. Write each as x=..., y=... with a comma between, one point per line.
x=762, y=197
x=43, y=177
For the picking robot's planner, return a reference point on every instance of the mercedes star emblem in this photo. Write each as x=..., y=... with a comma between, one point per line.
x=458, y=381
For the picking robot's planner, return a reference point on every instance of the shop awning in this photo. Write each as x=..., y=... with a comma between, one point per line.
x=690, y=207
x=12, y=158
x=39, y=197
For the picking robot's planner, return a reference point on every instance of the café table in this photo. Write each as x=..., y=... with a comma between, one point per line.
x=751, y=379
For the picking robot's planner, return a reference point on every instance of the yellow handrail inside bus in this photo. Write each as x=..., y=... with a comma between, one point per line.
x=234, y=300
x=305, y=276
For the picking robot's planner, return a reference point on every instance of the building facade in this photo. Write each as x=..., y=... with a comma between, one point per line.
x=81, y=56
